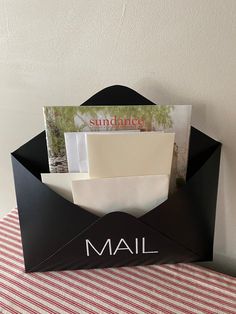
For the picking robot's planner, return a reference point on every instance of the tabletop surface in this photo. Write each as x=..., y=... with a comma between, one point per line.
x=168, y=289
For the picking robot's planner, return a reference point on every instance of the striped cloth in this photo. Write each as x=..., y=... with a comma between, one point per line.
x=169, y=289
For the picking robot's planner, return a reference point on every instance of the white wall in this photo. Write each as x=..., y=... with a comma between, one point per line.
x=173, y=52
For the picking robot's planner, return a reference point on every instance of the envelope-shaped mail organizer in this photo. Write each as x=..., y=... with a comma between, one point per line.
x=58, y=235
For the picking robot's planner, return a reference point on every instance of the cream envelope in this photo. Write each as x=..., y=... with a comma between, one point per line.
x=116, y=155
x=134, y=195
x=61, y=182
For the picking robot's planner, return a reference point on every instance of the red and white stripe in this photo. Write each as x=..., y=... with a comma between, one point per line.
x=167, y=289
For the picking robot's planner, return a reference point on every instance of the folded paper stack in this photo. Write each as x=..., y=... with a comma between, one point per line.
x=76, y=150
x=136, y=166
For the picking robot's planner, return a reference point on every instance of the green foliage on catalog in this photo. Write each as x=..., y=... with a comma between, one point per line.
x=61, y=119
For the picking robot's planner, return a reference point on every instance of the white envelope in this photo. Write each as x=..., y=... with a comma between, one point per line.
x=76, y=149
x=61, y=182
x=72, y=152
x=134, y=195
x=116, y=155
x=82, y=148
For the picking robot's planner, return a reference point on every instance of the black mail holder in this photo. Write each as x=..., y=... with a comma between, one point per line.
x=59, y=235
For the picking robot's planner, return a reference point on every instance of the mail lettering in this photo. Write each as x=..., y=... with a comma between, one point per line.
x=137, y=247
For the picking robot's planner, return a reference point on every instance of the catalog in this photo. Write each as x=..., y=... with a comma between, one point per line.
x=161, y=118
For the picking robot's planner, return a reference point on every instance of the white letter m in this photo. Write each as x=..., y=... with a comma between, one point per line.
x=108, y=242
